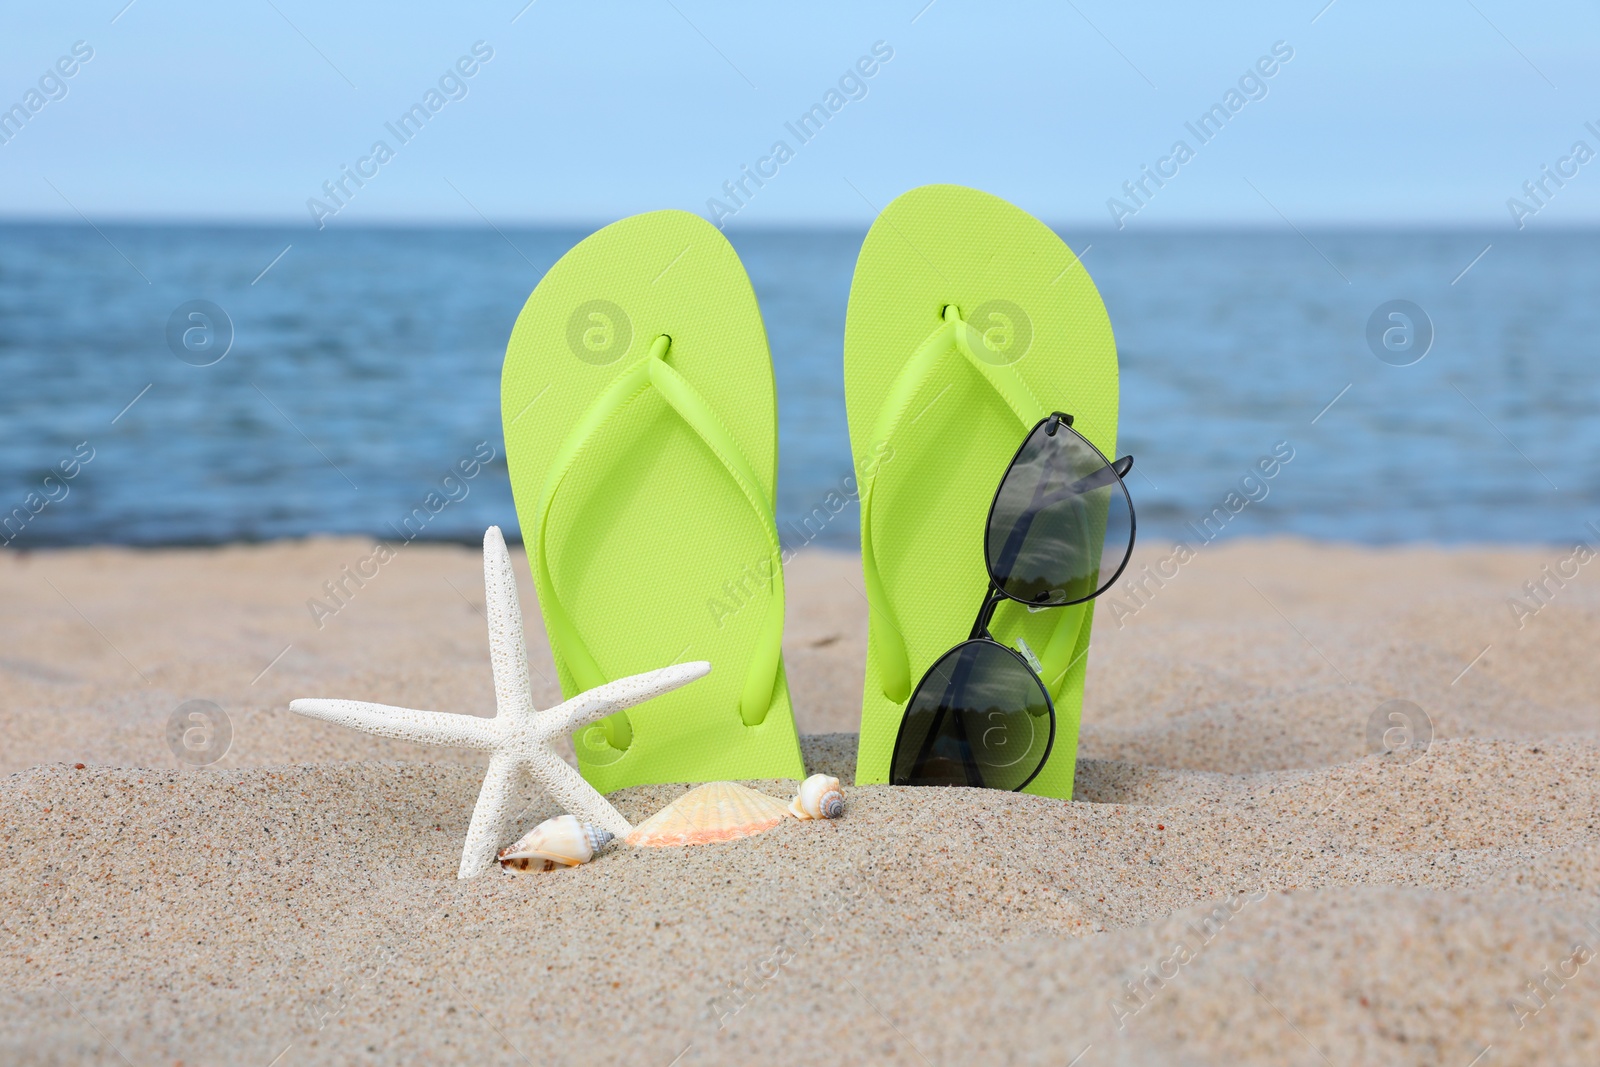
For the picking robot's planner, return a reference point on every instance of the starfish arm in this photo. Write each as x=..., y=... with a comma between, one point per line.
x=508, y=653
x=595, y=704
x=568, y=788
x=403, y=724
x=491, y=816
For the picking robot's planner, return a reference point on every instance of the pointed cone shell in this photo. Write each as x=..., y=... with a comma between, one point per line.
x=719, y=811
x=559, y=842
x=820, y=797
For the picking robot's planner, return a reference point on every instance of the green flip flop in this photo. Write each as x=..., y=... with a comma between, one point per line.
x=641, y=435
x=936, y=415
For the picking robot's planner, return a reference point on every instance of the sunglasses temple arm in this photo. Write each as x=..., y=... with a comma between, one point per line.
x=969, y=762
x=926, y=748
x=1089, y=483
x=969, y=765
x=1021, y=528
x=1102, y=477
x=980, y=628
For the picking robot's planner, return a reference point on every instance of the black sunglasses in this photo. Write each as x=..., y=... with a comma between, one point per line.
x=1060, y=532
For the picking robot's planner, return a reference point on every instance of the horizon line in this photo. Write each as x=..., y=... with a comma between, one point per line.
x=239, y=222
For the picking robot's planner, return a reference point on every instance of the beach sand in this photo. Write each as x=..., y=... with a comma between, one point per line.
x=1238, y=880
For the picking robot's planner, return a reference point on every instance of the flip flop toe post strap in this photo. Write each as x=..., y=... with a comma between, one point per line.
x=653, y=372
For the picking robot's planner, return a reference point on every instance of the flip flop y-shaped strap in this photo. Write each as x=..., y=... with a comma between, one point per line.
x=654, y=372
x=894, y=665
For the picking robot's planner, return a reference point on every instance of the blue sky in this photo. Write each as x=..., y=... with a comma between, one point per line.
x=1426, y=114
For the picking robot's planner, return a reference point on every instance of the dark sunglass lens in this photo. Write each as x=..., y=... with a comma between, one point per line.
x=1062, y=525
x=979, y=717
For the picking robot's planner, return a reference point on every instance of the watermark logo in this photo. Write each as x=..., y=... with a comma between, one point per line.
x=1004, y=330
x=53, y=488
x=1399, y=333
x=1540, y=592
x=1251, y=86
x=199, y=733
x=1541, y=990
x=52, y=86
x=851, y=86
x=1140, y=991
x=1139, y=590
x=199, y=332
x=757, y=575
x=451, y=86
x=597, y=748
x=1399, y=728
x=599, y=332
x=1538, y=192
x=453, y=488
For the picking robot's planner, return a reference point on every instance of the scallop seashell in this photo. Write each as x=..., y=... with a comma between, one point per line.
x=820, y=797
x=717, y=811
x=559, y=842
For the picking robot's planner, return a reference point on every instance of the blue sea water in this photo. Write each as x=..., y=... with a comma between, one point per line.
x=365, y=366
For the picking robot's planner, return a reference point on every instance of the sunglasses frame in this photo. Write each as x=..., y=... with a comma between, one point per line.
x=992, y=599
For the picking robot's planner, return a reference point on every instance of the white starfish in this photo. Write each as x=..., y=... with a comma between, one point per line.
x=520, y=737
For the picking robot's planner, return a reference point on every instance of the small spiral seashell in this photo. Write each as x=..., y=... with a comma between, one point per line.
x=559, y=842
x=820, y=797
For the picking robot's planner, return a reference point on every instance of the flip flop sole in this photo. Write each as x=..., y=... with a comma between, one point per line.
x=652, y=551
x=1029, y=298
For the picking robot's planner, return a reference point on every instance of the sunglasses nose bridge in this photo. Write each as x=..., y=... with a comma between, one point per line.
x=980, y=625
